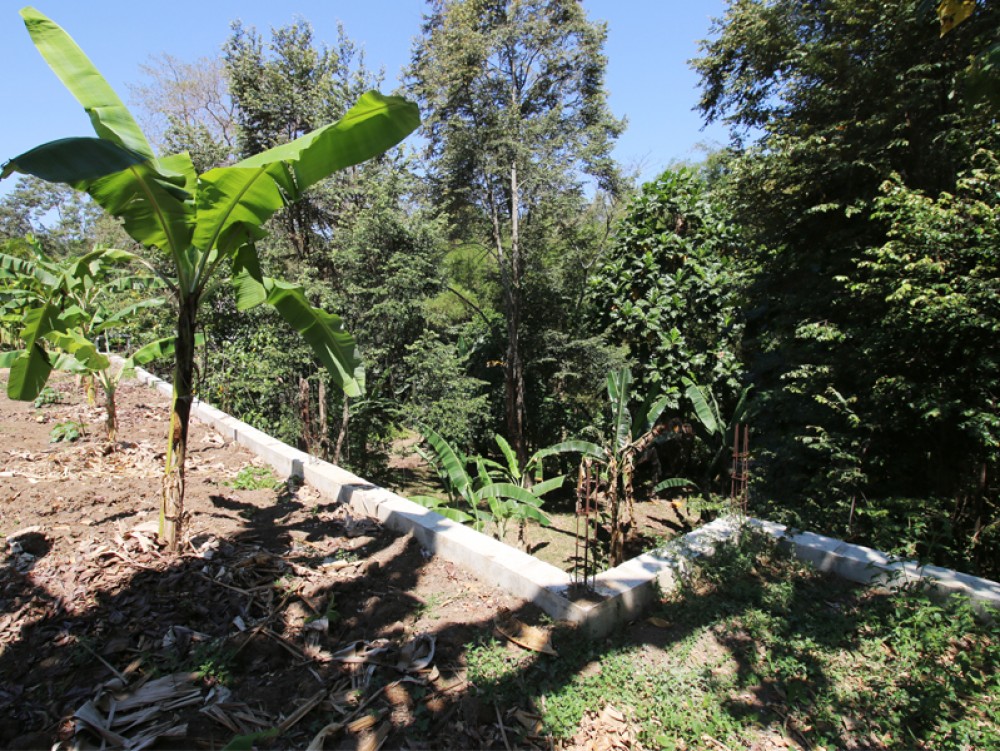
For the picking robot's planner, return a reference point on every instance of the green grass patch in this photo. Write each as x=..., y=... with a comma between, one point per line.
x=254, y=478
x=755, y=645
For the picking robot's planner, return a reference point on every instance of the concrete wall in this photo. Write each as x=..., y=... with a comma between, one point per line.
x=627, y=589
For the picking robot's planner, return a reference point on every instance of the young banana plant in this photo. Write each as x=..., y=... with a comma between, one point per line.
x=501, y=496
x=198, y=226
x=630, y=437
x=69, y=297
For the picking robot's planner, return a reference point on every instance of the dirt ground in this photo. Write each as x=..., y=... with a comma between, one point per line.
x=282, y=610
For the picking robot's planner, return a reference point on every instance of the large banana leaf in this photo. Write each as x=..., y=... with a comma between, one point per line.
x=31, y=369
x=547, y=486
x=453, y=466
x=12, y=267
x=111, y=119
x=618, y=395
x=323, y=332
x=509, y=455
x=155, y=211
x=28, y=373
x=161, y=348
x=706, y=411
x=231, y=202
x=76, y=345
x=72, y=160
x=593, y=450
x=371, y=127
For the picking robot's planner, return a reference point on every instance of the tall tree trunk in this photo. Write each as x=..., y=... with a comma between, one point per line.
x=514, y=374
x=172, y=508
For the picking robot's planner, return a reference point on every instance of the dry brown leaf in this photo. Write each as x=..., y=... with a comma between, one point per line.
x=658, y=622
x=529, y=637
x=365, y=722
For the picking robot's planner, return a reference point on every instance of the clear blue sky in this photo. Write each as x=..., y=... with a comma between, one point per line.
x=649, y=44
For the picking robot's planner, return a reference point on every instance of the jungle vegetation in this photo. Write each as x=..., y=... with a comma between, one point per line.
x=836, y=266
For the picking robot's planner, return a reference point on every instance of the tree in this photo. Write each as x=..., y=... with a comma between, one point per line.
x=282, y=90
x=842, y=95
x=196, y=223
x=513, y=95
x=188, y=108
x=669, y=285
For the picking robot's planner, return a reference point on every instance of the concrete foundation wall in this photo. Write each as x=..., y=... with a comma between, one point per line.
x=627, y=589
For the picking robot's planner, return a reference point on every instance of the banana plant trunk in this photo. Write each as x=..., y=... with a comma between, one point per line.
x=111, y=413
x=172, y=508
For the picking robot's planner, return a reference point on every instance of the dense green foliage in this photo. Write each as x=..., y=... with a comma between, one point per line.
x=668, y=287
x=870, y=312
x=516, y=115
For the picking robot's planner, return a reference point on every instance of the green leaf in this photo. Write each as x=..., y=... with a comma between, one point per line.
x=247, y=280
x=12, y=267
x=371, y=127
x=438, y=506
x=111, y=119
x=653, y=414
x=72, y=160
x=156, y=212
x=586, y=448
x=323, y=332
x=548, y=486
x=233, y=203
x=249, y=742
x=509, y=455
x=28, y=374
x=161, y=348
x=618, y=395
x=7, y=358
x=508, y=490
x=453, y=466
x=530, y=512
x=74, y=343
x=674, y=482
x=706, y=415
x=127, y=312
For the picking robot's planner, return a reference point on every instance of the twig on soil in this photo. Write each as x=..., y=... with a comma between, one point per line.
x=310, y=704
x=288, y=646
x=503, y=731
x=104, y=662
x=715, y=742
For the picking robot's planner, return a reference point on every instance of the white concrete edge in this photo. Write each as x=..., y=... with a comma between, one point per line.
x=867, y=566
x=628, y=589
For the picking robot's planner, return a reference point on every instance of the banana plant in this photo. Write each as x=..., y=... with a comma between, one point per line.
x=630, y=437
x=70, y=295
x=714, y=430
x=199, y=226
x=500, y=497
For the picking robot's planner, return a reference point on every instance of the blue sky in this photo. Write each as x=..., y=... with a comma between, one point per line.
x=649, y=44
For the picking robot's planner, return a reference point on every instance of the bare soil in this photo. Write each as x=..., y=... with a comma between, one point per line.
x=282, y=609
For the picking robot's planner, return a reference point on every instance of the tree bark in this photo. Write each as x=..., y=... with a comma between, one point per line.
x=514, y=372
x=172, y=508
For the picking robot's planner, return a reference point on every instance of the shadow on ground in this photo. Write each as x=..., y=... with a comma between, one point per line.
x=313, y=618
